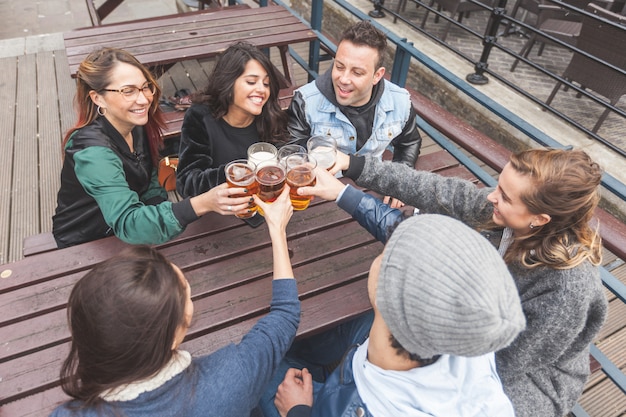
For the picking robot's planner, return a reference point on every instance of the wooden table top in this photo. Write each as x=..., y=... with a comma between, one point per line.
x=168, y=39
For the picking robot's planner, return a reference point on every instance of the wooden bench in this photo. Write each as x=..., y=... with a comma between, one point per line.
x=228, y=264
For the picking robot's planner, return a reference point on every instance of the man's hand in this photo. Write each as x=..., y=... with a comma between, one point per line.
x=326, y=186
x=342, y=162
x=393, y=202
x=296, y=389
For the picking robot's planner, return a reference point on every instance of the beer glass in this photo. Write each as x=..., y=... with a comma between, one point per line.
x=324, y=150
x=271, y=179
x=262, y=153
x=241, y=173
x=300, y=173
x=286, y=150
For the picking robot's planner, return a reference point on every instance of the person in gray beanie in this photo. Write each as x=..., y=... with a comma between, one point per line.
x=439, y=314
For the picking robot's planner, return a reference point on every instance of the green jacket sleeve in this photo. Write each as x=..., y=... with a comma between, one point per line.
x=155, y=192
x=101, y=174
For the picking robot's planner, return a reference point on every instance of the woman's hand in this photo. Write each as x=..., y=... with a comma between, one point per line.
x=220, y=200
x=342, y=162
x=277, y=213
x=326, y=186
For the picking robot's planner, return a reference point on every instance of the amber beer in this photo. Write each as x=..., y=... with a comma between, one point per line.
x=240, y=173
x=300, y=173
x=271, y=180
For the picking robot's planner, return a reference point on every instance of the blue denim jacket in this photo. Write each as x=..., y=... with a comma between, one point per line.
x=324, y=118
x=339, y=396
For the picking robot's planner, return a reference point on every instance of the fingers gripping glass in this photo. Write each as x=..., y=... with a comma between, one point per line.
x=130, y=92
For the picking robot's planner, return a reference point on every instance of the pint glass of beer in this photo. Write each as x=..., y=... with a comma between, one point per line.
x=240, y=173
x=324, y=150
x=271, y=179
x=262, y=153
x=286, y=150
x=300, y=173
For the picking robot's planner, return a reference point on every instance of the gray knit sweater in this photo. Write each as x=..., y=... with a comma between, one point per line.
x=544, y=370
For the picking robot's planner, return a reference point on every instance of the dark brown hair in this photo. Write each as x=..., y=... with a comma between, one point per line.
x=94, y=73
x=123, y=316
x=365, y=33
x=219, y=92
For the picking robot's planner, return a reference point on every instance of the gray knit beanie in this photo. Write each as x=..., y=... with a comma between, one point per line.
x=444, y=289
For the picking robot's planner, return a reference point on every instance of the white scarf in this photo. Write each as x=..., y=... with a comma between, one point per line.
x=505, y=242
x=179, y=362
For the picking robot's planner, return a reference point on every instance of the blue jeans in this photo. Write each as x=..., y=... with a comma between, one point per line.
x=319, y=354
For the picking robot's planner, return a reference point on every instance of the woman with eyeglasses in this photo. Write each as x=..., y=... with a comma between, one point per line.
x=109, y=181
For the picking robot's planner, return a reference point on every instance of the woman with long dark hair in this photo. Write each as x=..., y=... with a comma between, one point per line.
x=238, y=107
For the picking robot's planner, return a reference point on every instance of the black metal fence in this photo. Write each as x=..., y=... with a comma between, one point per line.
x=495, y=32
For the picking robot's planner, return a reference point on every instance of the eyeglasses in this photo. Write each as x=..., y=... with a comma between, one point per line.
x=130, y=92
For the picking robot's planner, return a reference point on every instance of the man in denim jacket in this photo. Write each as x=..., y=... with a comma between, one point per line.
x=443, y=301
x=354, y=104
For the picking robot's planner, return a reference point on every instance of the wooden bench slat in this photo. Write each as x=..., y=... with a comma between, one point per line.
x=8, y=69
x=49, y=138
x=24, y=191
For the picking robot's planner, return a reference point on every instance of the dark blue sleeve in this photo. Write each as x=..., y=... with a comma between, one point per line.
x=376, y=217
x=300, y=411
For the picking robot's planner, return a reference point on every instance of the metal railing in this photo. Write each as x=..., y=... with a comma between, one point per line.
x=490, y=39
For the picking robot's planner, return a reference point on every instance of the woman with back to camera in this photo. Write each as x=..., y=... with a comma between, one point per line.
x=109, y=182
x=128, y=317
x=238, y=107
x=538, y=216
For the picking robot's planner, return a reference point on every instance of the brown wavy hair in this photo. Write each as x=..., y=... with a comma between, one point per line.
x=565, y=184
x=94, y=73
x=123, y=316
x=218, y=95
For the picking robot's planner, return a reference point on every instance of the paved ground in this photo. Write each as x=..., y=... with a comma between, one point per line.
x=554, y=59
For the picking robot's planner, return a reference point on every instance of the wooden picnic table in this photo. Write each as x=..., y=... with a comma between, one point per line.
x=162, y=41
x=229, y=267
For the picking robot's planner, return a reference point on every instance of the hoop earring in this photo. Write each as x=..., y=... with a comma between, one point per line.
x=532, y=226
x=101, y=111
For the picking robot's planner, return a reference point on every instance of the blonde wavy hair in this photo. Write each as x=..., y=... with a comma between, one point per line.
x=565, y=184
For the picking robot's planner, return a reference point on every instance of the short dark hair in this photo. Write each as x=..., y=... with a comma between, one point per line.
x=123, y=317
x=400, y=350
x=365, y=33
